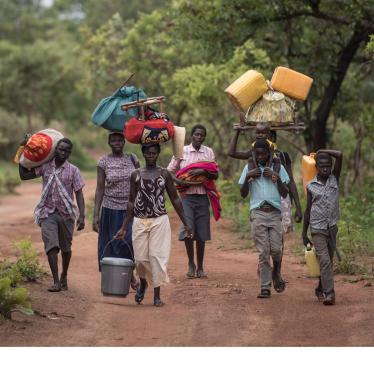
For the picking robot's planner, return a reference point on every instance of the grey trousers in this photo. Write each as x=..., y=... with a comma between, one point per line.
x=267, y=233
x=324, y=243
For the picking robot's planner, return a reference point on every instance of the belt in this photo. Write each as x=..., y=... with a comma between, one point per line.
x=267, y=208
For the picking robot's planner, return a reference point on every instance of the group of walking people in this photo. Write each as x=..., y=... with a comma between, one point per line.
x=132, y=222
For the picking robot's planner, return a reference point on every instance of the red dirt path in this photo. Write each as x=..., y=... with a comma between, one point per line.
x=219, y=311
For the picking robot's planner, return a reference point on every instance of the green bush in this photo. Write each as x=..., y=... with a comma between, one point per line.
x=13, y=299
x=9, y=178
x=27, y=265
x=8, y=270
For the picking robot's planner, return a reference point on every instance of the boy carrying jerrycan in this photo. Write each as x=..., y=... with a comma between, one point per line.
x=322, y=214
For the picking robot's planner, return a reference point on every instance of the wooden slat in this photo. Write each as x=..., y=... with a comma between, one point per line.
x=143, y=102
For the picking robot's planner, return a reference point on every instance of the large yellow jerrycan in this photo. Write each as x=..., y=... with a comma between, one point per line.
x=311, y=261
x=308, y=169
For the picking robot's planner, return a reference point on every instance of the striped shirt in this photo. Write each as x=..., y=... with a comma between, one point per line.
x=262, y=190
x=190, y=156
x=324, y=212
x=71, y=179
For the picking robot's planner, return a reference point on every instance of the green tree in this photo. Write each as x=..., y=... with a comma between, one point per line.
x=320, y=38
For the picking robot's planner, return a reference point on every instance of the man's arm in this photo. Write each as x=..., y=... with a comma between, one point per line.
x=232, y=149
x=306, y=240
x=26, y=174
x=99, y=194
x=80, y=202
x=338, y=155
x=244, y=189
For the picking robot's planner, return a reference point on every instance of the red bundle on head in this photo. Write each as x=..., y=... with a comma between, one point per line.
x=152, y=131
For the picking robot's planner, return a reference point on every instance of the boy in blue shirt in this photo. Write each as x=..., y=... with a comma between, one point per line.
x=266, y=187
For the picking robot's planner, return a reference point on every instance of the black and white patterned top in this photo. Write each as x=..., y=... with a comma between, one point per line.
x=325, y=203
x=150, y=200
x=117, y=171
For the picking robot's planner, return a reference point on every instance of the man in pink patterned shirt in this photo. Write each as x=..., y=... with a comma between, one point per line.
x=56, y=212
x=195, y=202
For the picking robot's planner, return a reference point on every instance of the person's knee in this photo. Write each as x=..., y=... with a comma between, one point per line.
x=53, y=251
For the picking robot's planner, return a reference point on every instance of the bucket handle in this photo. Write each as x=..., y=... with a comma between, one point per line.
x=111, y=243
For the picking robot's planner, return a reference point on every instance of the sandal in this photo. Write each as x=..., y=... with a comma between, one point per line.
x=55, y=288
x=139, y=296
x=63, y=283
x=264, y=294
x=278, y=283
x=201, y=274
x=158, y=302
x=191, y=271
x=320, y=295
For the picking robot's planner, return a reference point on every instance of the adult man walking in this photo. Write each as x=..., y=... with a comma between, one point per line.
x=56, y=212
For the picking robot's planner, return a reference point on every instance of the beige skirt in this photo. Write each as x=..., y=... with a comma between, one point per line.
x=151, y=239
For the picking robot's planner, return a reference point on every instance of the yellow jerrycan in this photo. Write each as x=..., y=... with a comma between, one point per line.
x=311, y=261
x=308, y=169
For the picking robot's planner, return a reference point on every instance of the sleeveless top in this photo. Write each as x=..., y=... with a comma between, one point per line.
x=150, y=200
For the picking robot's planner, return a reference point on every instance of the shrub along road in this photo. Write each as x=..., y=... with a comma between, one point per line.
x=219, y=311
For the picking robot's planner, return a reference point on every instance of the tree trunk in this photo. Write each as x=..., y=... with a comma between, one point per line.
x=319, y=122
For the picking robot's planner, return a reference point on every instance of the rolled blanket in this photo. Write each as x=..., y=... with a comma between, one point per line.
x=214, y=196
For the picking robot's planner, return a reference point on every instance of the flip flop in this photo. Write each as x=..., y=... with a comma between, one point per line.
x=64, y=283
x=158, y=303
x=139, y=296
x=191, y=271
x=264, y=294
x=54, y=288
x=201, y=274
x=279, y=284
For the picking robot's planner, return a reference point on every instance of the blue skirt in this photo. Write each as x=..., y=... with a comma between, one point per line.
x=110, y=222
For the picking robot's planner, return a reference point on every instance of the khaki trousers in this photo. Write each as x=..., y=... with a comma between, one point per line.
x=267, y=234
x=151, y=240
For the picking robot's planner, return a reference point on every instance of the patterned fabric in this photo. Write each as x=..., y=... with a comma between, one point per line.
x=59, y=186
x=117, y=171
x=150, y=200
x=263, y=190
x=286, y=214
x=325, y=203
x=190, y=156
x=208, y=184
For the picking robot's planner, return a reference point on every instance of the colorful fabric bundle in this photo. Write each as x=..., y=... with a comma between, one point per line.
x=149, y=131
x=214, y=196
x=40, y=148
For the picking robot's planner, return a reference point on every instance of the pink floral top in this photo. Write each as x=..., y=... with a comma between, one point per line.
x=117, y=171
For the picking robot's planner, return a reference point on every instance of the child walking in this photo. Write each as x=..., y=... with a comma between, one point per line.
x=266, y=187
x=322, y=214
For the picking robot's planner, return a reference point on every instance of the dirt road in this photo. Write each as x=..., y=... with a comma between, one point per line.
x=219, y=311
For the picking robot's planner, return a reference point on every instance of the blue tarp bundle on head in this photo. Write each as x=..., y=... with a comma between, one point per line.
x=109, y=115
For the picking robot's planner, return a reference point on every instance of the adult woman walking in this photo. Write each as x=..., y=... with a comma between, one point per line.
x=151, y=234
x=111, y=198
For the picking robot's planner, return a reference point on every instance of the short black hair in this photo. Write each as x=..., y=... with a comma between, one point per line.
x=65, y=140
x=196, y=127
x=262, y=143
x=115, y=133
x=147, y=146
x=323, y=156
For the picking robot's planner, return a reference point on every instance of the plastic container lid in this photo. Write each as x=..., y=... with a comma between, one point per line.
x=117, y=261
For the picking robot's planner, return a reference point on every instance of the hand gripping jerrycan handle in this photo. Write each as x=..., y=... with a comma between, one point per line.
x=311, y=261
